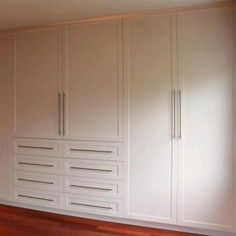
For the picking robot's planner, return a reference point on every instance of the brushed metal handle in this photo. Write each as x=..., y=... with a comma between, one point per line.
x=93, y=206
x=59, y=114
x=180, y=114
x=63, y=115
x=87, y=150
x=34, y=164
x=90, y=169
x=93, y=188
x=35, y=181
x=174, y=114
x=36, y=198
x=34, y=147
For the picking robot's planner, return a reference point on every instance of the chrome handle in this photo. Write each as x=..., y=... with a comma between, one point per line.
x=63, y=115
x=34, y=164
x=174, y=114
x=90, y=169
x=36, y=198
x=93, y=206
x=93, y=188
x=87, y=150
x=180, y=114
x=59, y=114
x=35, y=181
x=34, y=147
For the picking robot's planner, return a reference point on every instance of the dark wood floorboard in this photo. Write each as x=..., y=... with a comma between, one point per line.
x=23, y=222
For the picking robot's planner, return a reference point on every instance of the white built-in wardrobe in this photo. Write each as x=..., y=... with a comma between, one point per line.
x=132, y=119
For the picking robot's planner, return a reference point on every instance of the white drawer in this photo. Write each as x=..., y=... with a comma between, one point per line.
x=37, y=198
x=36, y=147
x=37, y=181
x=94, y=150
x=37, y=164
x=96, y=187
x=92, y=205
x=94, y=169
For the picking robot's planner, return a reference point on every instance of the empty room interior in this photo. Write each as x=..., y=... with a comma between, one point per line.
x=117, y=118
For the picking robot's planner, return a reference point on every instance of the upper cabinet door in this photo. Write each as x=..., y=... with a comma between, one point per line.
x=93, y=89
x=208, y=119
x=4, y=72
x=152, y=165
x=35, y=84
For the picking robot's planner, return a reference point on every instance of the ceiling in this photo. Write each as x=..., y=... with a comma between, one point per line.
x=21, y=13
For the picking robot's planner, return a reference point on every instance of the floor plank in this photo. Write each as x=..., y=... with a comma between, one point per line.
x=23, y=222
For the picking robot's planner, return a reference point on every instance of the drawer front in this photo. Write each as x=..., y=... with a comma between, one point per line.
x=37, y=181
x=100, y=188
x=37, y=164
x=37, y=198
x=94, y=169
x=94, y=150
x=36, y=147
x=94, y=205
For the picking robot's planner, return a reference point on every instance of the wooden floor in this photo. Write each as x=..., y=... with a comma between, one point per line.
x=22, y=222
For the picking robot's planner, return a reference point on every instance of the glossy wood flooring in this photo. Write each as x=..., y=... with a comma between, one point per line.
x=22, y=222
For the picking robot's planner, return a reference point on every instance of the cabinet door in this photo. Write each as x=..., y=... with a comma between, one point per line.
x=208, y=119
x=4, y=59
x=35, y=82
x=93, y=85
x=152, y=167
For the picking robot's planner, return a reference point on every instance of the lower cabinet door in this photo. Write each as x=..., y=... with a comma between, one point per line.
x=94, y=205
x=40, y=164
x=94, y=187
x=37, y=181
x=37, y=197
x=94, y=169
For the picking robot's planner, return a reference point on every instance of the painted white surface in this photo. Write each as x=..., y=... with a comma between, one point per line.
x=35, y=84
x=17, y=13
x=4, y=70
x=93, y=81
x=151, y=195
x=207, y=158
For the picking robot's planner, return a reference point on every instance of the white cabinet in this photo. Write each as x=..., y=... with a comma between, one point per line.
x=93, y=81
x=4, y=71
x=208, y=119
x=151, y=162
x=35, y=84
x=70, y=90
x=143, y=109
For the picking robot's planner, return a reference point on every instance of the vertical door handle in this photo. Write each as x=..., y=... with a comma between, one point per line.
x=63, y=115
x=174, y=114
x=59, y=114
x=179, y=113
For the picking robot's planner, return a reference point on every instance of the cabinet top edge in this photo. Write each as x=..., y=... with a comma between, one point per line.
x=230, y=5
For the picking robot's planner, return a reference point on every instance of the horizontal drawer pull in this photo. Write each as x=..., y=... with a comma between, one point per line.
x=87, y=150
x=95, y=188
x=93, y=206
x=35, y=181
x=34, y=147
x=34, y=164
x=90, y=169
x=36, y=198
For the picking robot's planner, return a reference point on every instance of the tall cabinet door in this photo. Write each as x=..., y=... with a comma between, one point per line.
x=35, y=84
x=208, y=119
x=151, y=162
x=93, y=89
x=4, y=71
